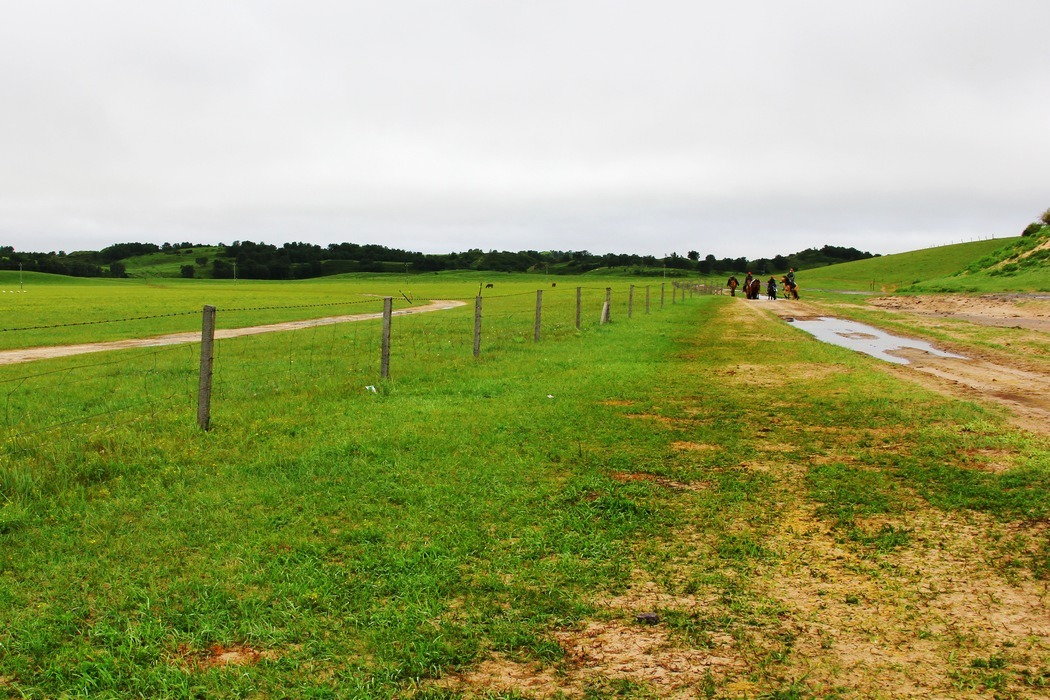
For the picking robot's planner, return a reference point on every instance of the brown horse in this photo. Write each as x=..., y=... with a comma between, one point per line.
x=755, y=289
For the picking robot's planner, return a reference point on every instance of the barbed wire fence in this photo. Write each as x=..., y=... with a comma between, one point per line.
x=248, y=363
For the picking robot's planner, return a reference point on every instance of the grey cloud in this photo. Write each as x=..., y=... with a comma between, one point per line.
x=578, y=124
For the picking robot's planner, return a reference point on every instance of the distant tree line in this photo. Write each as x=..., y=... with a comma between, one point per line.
x=250, y=260
x=54, y=263
x=302, y=260
x=806, y=259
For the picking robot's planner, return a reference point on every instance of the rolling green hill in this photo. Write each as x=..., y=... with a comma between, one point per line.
x=170, y=264
x=1021, y=265
x=980, y=266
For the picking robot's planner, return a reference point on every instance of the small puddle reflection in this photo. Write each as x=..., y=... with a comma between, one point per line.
x=866, y=339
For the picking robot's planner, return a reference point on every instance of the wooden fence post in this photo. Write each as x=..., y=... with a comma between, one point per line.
x=207, y=355
x=630, y=302
x=539, y=313
x=477, y=325
x=578, y=304
x=608, y=303
x=661, y=295
x=384, y=362
x=646, y=300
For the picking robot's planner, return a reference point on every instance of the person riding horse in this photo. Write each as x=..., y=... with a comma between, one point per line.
x=789, y=283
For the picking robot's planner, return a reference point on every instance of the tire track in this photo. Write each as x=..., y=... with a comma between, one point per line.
x=11, y=357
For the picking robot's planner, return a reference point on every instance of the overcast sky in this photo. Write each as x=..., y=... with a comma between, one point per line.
x=746, y=128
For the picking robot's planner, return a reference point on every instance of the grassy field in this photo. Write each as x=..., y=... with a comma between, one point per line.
x=1022, y=265
x=473, y=522
x=889, y=273
x=59, y=310
x=170, y=264
x=992, y=266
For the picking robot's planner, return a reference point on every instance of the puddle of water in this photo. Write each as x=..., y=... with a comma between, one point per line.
x=866, y=339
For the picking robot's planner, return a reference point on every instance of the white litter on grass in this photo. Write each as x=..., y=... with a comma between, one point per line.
x=550, y=396
x=867, y=339
x=371, y=388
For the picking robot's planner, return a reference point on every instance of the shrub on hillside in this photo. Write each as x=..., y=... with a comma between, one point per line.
x=1046, y=217
x=1007, y=270
x=1032, y=228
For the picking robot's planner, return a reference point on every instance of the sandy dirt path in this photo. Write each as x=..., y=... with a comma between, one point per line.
x=1024, y=390
x=10, y=357
x=1030, y=311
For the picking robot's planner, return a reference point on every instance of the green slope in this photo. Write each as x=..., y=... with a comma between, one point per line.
x=169, y=264
x=902, y=271
x=1022, y=265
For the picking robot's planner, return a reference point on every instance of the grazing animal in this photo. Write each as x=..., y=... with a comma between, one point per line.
x=554, y=284
x=488, y=286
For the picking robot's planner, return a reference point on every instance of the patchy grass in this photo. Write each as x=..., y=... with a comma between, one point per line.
x=802, y=523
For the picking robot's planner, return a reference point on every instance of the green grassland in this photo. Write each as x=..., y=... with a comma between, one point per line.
x=58, y=310
x=997, y=265
x=1021, y=265
x=346, y=543
x=892, y=272
x=170, y=264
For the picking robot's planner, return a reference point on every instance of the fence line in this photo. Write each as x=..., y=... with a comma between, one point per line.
x=225, y=363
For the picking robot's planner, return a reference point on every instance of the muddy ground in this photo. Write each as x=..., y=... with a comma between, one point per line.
x=1021, y=385
x=1004, y=310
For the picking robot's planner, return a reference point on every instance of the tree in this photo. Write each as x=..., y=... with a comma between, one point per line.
x=125, y=250
x=221, y=270
x=188, y=271
x=117, y=269
x=1046, y=217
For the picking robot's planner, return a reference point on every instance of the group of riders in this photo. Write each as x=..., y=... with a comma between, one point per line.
x=753, y=286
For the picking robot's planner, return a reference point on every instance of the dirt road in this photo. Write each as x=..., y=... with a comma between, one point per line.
x=983, y=375
x=1030, y=311
x=9, y=357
